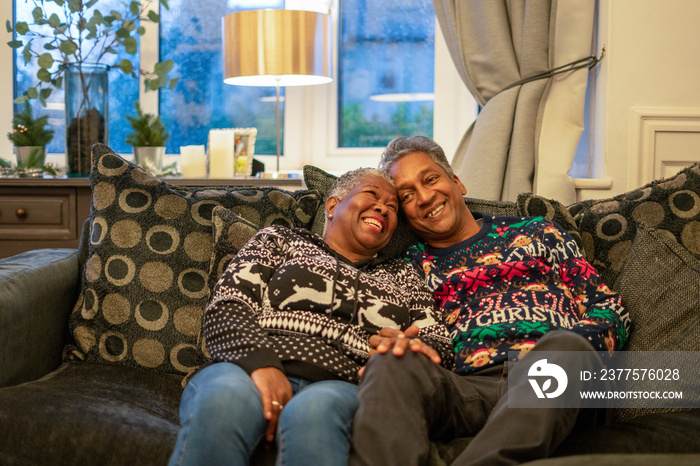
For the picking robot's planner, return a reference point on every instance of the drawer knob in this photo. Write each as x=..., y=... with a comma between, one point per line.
x=21, y=213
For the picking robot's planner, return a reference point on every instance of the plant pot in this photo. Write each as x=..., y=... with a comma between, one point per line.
x=30, y=156
x=149, y=157
x=87, y=110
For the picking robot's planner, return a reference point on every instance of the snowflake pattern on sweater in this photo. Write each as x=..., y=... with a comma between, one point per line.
x=514, y=281
x=287, y=296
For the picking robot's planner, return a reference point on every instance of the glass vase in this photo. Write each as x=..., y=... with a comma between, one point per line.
x=87, y=114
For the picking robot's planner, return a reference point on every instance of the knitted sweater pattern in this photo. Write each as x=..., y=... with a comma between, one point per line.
x=514, y=281
x=287, y=296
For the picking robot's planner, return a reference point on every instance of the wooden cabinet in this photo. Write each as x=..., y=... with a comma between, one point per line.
x=49, y=213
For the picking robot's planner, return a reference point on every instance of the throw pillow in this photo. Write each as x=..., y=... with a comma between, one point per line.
x=231, y=233
x=608, y=226
x=532, y=205
x=145, y=282
x=659, y=286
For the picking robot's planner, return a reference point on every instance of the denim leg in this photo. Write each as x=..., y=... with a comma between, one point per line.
x=221, y=417
x=316, y=423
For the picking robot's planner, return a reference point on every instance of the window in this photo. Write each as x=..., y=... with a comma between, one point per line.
x=385, y=70
x=123, y=89
x=336, y=126
x=191, y=36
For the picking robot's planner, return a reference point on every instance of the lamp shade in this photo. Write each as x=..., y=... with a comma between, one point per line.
x=276, y=47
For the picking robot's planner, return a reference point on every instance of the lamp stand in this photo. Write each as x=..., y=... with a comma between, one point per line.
x=277, y=120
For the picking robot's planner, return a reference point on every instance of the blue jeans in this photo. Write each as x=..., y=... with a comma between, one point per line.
x=222, y=420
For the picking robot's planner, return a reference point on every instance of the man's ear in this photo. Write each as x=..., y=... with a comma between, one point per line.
x=462, y=188
x=330, y=205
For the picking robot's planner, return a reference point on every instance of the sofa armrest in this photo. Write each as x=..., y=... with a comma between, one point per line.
x=38, y=290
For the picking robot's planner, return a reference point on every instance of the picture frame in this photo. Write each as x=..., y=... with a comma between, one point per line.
x=243, y=150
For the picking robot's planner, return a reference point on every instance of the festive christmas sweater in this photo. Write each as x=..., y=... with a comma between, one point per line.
x=514, y=281
x=289, y=301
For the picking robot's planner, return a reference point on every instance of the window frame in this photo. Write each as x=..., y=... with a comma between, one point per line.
x=311, y=119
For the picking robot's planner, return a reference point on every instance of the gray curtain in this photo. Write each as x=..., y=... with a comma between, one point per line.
x=494, y=44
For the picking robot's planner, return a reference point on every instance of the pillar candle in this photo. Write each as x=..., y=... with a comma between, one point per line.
x=221, y=153
x=193, y=161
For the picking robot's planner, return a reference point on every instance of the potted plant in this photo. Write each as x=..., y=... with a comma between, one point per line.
x=30, y=137
x=73, y=43
x=148, y=139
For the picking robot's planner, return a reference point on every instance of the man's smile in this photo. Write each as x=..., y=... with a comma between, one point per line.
x=435, y=211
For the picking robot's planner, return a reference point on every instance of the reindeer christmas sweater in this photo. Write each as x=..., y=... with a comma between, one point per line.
x=514, y=281
x=287, y=300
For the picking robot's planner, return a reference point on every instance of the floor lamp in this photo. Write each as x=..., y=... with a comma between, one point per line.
x=276, y=48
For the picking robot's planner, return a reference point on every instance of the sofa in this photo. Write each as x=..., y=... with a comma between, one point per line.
x=95, y=342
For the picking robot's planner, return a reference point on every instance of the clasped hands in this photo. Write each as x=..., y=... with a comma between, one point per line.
x=276, y=390
x=398, y=341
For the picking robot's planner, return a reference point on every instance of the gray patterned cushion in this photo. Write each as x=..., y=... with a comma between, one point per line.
x=659, y=286
x=608, y=226
x=145, y=283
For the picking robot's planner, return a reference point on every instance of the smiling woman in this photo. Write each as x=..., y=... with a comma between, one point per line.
x=288, y=330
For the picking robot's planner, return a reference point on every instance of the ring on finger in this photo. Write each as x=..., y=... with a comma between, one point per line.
x=277, y=403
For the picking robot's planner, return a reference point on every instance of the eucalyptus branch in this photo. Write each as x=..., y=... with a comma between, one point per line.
x=78, y=38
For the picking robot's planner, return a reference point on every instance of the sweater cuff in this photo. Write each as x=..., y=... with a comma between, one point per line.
x=261, y=357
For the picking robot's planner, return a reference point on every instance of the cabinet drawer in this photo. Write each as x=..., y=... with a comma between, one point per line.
x=36, y=213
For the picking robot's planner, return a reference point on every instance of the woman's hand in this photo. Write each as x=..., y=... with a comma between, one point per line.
x=276, y=391
x=398, y=341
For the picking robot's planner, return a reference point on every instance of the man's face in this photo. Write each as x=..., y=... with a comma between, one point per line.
x=431, y=199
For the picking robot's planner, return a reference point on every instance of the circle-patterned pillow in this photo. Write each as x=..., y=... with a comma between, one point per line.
x=671, y=206
x=145, y=283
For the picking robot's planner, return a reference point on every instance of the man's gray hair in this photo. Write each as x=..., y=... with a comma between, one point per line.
x=349, y=180
x=402, y=146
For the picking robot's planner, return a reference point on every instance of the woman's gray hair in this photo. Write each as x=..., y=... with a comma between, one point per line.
x=402, y=146
x=349, y=180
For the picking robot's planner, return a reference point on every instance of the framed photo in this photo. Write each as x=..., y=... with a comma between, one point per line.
x=243, y=150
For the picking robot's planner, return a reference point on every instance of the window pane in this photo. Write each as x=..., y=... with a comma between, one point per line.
x=123, y=89
x=386, y=50
x=190, y=34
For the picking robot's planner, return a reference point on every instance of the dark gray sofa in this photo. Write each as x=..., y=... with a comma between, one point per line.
x=90, y=374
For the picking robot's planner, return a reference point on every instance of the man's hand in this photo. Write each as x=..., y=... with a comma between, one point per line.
x=398, y=341
x=276, y=391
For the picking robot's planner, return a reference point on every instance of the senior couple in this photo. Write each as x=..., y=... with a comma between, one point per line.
x=339, y=354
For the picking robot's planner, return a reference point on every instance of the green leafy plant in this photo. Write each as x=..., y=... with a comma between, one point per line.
x=29, y=131
x=78, y=32
x=148, y=129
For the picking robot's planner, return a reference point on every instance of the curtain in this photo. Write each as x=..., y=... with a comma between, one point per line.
x=526, y=135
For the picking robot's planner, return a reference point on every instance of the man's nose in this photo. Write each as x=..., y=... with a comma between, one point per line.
x=423, y=196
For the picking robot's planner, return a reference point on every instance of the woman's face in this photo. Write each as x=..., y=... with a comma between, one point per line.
x=364, y=220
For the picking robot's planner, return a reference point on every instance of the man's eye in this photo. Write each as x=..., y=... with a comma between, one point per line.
x=432, y=179
x=406, y=198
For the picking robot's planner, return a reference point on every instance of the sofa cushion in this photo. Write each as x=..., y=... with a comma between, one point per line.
x=85, y=413
x=532, y=205
x=659, y=286
x=608, y=226
x=145, y=282
x=231, y=233
x=321, y=181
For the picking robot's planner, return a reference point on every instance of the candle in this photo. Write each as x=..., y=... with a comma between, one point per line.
x=221, y=153
x=193, y=161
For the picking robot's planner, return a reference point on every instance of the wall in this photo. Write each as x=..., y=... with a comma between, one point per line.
x=648, y=93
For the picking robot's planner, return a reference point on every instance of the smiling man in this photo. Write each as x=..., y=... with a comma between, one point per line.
x=509, y=288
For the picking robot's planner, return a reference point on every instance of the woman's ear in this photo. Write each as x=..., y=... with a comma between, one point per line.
x=330, y=206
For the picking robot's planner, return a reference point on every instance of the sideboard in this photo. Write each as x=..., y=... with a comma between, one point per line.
x=49, y=212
